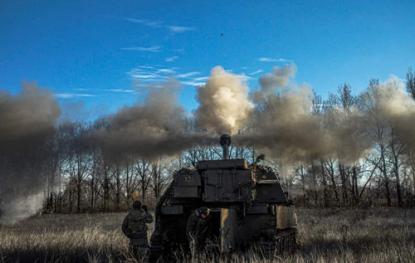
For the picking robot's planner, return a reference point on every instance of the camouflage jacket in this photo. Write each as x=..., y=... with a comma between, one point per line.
x=134, y=225
x=197, y=227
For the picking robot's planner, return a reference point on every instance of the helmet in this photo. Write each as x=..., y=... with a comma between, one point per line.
x=204, y=211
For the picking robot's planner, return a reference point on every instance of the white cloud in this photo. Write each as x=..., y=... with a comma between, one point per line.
x=167, y=71
x=171, y=59
x=188, y=79
x=145, y=75
x=193, y=83
x=201, y=78
x=143, y=49
x=148, y=23
x=187, y=75
x=72, y=95
x=180, y=29
x=146, y=67
x=269, y=59
x=256, y=72
x=159, y=24
x=142, y=75
x=122, y=90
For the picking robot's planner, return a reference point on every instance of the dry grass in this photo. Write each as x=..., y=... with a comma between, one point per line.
x=376, y=235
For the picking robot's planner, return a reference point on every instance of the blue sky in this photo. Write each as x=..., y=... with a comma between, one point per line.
x=95, y=53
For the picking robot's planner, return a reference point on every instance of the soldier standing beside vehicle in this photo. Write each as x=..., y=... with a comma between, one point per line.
x=134, y=227
x=197, y=229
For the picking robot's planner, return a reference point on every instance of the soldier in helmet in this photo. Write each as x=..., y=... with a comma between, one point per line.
x=135, y=228
x=197, y=228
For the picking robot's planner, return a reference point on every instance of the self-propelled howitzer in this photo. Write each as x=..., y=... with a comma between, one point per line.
x=248, y=207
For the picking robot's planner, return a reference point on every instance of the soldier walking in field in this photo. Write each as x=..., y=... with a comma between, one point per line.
x=134, y=227
x=197, y=229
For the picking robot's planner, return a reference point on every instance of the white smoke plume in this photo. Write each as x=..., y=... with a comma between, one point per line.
x=224, y=103
x=21, y=207
x=388, y=103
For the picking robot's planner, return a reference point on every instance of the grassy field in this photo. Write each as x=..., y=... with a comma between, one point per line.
x=374, y=235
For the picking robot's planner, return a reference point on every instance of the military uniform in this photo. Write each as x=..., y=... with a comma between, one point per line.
x=135, y=228
x=197, y=229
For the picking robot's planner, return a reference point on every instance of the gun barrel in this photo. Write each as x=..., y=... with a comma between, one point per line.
x=225, y=142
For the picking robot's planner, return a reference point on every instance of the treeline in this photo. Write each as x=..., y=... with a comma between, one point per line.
x=82, y=177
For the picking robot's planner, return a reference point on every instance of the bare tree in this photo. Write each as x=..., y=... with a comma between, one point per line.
x=81, y=175
x=410, y=83
x=143, y=170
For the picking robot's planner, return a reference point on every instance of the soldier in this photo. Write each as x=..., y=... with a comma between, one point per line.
x=197, y=229
x=135, y=228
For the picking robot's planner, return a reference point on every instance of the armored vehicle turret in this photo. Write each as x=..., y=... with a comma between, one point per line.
x=248, y=207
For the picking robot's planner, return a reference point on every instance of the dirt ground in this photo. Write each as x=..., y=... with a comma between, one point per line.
x=325, y=235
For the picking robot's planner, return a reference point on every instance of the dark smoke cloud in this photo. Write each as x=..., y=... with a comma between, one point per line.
x=157, y=127
x=29, y=115
x=26, y=124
